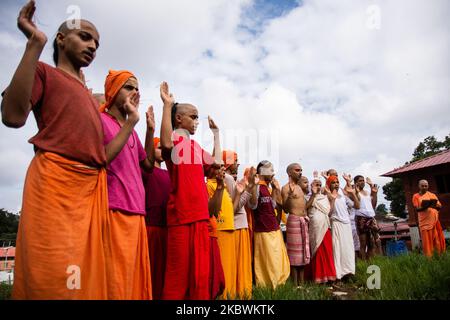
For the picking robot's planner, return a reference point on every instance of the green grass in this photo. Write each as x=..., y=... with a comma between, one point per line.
x=407, y=277
x=288, y=291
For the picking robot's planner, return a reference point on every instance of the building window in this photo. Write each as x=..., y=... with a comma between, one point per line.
x=443, y=183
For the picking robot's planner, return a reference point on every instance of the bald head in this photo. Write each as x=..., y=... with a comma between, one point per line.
x=291, y=167
x=332, y=172
x=76, y=24
x=423, y=186
x=304, y=184
x=184, y=116
x=294, y=171
x=184, y=108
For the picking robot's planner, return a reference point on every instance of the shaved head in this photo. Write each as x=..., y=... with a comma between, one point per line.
x=183, y=108
x=294, y=171
x=184, y=115
x=291, y=167
x=71, y=25
x=423, y=186
x=332, y=172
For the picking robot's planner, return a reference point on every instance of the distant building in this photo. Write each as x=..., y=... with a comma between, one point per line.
x=436, y=170
x=7, y=258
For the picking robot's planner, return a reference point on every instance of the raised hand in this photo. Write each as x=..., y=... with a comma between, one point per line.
x=347, y=177
x=331, y=196
x=252, y=177
x=150, y=119
x=166, y=97
x=275, y=184
x=131, y=106
x=220, y=176
x=27, y=26
x=240, y=187
x=212, y=125
x=350, y=190
x=324, y=174
x=369, y=182
x=374, y=188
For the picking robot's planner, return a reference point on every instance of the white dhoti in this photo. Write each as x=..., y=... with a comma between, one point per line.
x=343, y=248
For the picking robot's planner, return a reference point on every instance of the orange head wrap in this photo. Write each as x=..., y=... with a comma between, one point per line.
x=114, y=82
x=156, y=140
x=229, y=158
x=330, y=180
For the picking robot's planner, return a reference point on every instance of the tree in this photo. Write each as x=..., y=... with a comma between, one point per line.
x=382, y=209
x=394, y=192
x=430, y=146
x=9, y=224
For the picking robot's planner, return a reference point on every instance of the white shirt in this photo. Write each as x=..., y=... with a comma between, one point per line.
x=366, y=209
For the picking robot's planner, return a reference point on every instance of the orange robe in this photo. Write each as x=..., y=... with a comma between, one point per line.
x=429, y=225
x=60, y=252
x=127, y=257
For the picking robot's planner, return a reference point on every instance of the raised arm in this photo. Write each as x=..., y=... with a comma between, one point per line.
x=251, y=188
x=373, y=192
x=16, y=105
x=116, y=145
x=217, y=151
x=314, y=191
x=149, y=163
x=166, y=123
x=331, y=198
x=351, y=193
x=239, y=200
x=276, y=192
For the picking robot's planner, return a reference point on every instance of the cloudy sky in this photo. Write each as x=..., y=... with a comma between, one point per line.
x=351, y=84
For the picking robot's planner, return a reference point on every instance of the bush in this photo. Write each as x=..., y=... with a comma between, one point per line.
x=5, y=291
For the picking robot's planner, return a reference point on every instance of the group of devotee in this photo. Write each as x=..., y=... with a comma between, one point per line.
x=102, y=219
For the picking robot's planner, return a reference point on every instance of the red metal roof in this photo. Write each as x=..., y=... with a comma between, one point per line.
x=434, y=160
x=389, y=226
x=9, y=252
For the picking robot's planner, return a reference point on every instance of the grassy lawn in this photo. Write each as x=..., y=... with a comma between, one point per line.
x=407, y=277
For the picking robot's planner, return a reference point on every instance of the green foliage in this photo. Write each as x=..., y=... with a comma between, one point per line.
x=5, y=291
x=406, y=277
x=9, y=224
x=394, y=192
x=289, y=291
x=430, y=146
x=381, y=208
